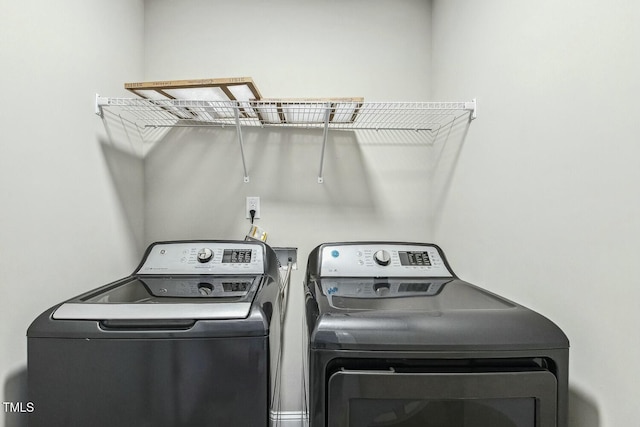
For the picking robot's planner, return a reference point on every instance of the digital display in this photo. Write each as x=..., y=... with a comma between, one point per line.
x=414, y=287
x=236, y=256
x=235, y=286
x=415, y=258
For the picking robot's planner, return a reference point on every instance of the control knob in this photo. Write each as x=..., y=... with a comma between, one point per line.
x=381, y=289
x=382, y=257
x=205, y=255
x=205, y=289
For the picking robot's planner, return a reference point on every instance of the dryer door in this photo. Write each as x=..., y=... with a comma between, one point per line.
x=437, y=399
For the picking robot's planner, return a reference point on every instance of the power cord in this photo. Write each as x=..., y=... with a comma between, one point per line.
x=252, y=212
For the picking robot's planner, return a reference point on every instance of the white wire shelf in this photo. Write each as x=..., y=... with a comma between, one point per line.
x=306, y=114
x=309, y=114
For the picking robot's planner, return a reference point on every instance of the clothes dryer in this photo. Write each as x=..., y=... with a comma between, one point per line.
x=395, y=338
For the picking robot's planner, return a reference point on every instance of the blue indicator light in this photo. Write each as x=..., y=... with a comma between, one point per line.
x=335, y=253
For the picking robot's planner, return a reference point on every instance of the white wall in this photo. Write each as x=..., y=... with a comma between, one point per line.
x=295, y=48
x=70, y=199
x=372, y=190
x=544, y=206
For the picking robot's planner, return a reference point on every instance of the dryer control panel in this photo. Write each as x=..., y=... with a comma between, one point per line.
x=382, y=259
x=204, y=258
x=382, y=288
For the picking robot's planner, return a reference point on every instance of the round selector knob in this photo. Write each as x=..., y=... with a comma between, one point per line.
x=205, y=289
x=205, y=255
x=382, y=289
x=382, y=257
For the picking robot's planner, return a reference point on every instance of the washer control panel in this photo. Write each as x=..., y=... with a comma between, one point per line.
x=210, y=286
x=381, y=259
x=204, y=258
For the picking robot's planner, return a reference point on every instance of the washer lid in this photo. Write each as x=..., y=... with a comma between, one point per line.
x=79, y=311
x=160, y=297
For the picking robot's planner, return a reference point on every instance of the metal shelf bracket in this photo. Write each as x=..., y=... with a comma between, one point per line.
x=100, y=102
x=241, y=141
x=325, y=135
x=472, y=106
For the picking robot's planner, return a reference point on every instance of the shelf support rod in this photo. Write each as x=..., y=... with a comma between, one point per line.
x=325, y=135
x=240, y=140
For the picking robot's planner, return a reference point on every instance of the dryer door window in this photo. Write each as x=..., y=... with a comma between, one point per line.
x=486, y=399
x=442, y=413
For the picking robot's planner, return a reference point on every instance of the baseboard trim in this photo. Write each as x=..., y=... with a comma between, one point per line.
x=288, y=419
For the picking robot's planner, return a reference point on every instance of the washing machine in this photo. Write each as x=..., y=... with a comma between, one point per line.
x=395, y=338
x=191, y=338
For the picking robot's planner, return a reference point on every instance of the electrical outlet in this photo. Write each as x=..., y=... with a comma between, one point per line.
x=253, y=203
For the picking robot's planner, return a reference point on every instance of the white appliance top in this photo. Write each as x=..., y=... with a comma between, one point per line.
x=382, y=260
x=219, y=258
